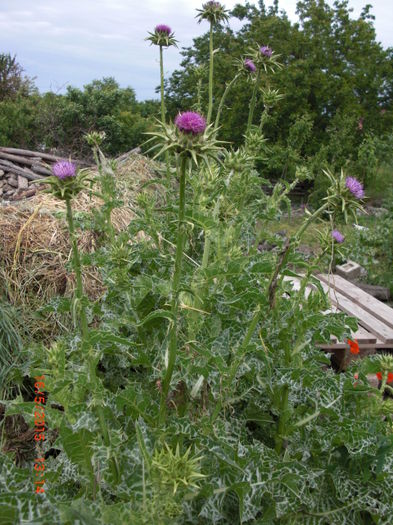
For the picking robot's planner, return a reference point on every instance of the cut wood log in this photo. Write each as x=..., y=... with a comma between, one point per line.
x=47, y=156
x=25, y=172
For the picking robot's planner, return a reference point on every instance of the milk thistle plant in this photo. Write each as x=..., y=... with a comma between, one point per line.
x=215, y=14
x=264, y=59
x=245, y=67
x=163, y=37
x=65, y=184
x=191, y=140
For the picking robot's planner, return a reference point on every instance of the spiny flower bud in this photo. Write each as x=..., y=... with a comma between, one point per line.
x=214, y=12
x=162, y=36
x=266, y=51
x=249, y=65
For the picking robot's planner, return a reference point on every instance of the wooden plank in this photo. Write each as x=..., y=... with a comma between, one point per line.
x=365, y=318
x=363, y=336
x=327, y=347
x=369, y=303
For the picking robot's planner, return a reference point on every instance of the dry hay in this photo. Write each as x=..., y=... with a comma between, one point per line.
x=34, y=241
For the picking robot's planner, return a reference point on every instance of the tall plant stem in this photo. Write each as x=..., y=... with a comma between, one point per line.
x=253, y=100
x=78, y=273
x=283, y=419
x=172, y=347
x=163, y=110
x=239, y=356
x=223, y=98
x=211, y=70
x=85, y=334
x=162, y=85
x=311, y=219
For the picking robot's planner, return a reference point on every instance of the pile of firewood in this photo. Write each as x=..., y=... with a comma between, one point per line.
x=19, y=168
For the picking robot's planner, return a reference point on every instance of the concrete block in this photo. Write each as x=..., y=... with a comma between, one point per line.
x=349, y=270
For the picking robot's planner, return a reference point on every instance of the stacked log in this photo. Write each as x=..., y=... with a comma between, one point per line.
x=19, y=168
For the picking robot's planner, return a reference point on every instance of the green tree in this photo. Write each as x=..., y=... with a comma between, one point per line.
x=337, y=80
x=12, y=81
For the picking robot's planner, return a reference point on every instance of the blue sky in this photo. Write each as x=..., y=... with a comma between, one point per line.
x=76, y=41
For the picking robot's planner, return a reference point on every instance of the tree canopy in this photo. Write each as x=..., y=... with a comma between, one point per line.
x=337, y=82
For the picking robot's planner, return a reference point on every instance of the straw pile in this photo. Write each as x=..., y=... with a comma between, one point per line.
x=34, y=243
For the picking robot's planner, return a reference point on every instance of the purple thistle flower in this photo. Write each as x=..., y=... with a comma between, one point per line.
x=162, y=28
x=210, y=4
x=190, y=122
x=355, y=187
x=337, y=236
x=64, y=169
x=249, y=64
x=266, y=51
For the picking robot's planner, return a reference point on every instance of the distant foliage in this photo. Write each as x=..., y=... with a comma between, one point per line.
x=61, y=121
x=337, y=82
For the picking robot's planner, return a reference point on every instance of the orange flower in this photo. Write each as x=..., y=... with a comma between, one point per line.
x=390, y=377
x=353, y=346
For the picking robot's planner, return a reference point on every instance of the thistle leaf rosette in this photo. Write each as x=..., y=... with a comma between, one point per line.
x=344, y=195
x=213, y=12
x=188, y=136
x=264, y=58
x=162, y=36
x=66, y=181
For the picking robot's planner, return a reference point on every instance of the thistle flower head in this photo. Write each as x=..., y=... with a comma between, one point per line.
x=188, y=136
x=264, y=58
x=190, y=122
x=343, y=195
x=66, y=182
x=266, y=51
x=162, y=36
x=163, y=28
x=64, y=169
x=214, y=12
x=337, y=236
x=355, y=187
x=249, y=65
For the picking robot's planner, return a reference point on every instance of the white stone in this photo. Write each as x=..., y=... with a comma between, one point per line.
x=23, y=183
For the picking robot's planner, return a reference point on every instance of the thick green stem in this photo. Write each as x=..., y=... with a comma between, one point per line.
x=163, y=109
x=283, y=419
x=223, y=98
x=101, y=416
x=85, y=332
x=78, y=273
x=311, y=219
x=239, y=357
x=172, y=348
x=211, y=70
x=162, y=85
x=253, y=100
x=264, y=118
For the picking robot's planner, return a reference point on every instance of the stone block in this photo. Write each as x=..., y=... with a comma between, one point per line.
x=349, y=270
